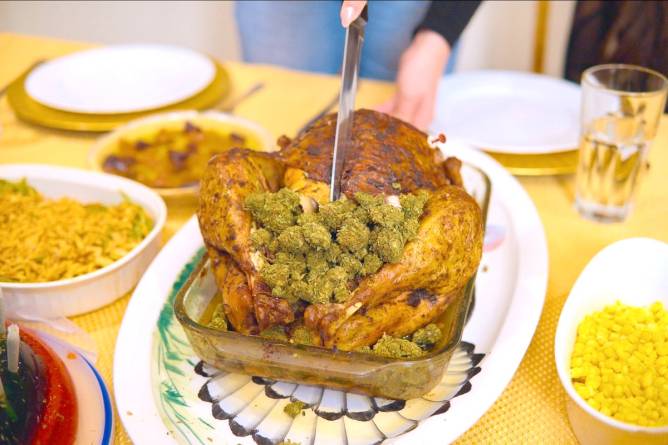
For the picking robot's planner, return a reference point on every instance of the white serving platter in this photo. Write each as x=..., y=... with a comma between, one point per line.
x=154, y=376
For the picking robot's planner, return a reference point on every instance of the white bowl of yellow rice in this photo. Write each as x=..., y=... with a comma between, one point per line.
x=611, y=346
x=84, y=241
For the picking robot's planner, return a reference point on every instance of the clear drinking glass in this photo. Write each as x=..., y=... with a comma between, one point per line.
x=621, y=109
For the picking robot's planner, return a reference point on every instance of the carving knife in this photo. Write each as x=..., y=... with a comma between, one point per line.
x=344, y=120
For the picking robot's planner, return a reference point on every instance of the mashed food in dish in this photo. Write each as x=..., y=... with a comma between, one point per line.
x=48, y=240
x=171, y=157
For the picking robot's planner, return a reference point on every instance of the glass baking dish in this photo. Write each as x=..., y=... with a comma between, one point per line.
x=350, y=371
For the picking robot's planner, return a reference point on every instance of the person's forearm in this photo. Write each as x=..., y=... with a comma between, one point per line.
x=420, y=69
x=437, y=45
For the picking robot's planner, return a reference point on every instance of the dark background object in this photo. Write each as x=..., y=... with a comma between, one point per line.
x=626, y=31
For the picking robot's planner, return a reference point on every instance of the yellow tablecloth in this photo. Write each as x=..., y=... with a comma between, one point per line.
x=531, y=409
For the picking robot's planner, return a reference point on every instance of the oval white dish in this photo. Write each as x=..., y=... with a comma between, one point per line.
x=635, y=272
x=84, y=293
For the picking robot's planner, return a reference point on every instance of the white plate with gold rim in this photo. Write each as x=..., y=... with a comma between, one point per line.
x=509, y=112
x=120, y=79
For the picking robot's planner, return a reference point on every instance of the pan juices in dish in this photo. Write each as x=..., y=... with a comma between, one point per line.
x=374, y=272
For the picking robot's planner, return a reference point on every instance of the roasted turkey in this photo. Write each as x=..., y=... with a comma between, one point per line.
x=397, y=299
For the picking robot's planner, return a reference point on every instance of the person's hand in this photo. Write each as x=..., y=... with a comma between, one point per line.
x=350, y=10
x=420, y=68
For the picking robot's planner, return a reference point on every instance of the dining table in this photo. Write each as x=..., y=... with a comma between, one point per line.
x=532, y=407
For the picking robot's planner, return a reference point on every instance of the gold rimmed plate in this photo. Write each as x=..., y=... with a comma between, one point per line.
x=561, y=163
x=32, y=111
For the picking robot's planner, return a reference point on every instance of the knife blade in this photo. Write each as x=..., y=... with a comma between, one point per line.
x=344, y=120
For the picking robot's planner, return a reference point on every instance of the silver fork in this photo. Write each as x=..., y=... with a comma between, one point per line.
x=331, y=104
x=230, y=106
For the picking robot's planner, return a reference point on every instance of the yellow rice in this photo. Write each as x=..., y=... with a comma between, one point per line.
x=46, y=240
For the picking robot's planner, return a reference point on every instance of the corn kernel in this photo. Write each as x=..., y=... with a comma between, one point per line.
x=577, y=373
x=647, y=379
x=593, y=382
x=618, y=391
x=619, y=363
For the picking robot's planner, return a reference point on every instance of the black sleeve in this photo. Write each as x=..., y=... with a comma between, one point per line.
x=448, y=18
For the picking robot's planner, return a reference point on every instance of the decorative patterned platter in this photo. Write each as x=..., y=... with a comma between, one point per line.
x=165, y=395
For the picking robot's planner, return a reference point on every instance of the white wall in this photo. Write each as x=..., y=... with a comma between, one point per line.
x=558, y=32
x=501, y=34
x=205, y=26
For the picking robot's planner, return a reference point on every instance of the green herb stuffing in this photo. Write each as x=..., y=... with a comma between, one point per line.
x=403, y=348
x=275, y=211
x=394, y=347
x=317, y=257
x=218, y=319
x=302, y=336
x=293, y=409
x=274, y=333
x=427, y=336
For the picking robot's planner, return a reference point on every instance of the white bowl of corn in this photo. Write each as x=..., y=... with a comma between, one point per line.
x=611, y=346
